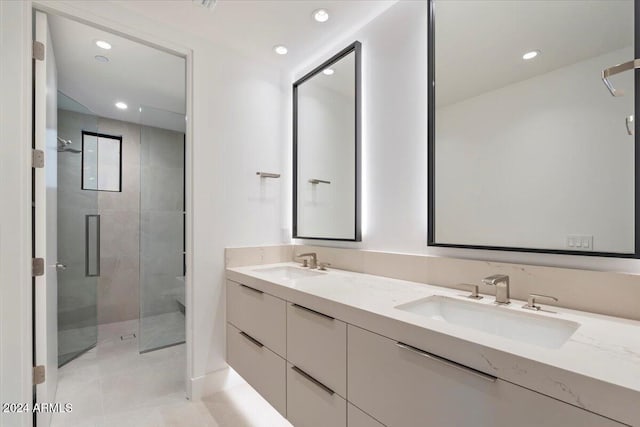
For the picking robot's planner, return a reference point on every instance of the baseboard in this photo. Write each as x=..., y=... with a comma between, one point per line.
x=213, y=382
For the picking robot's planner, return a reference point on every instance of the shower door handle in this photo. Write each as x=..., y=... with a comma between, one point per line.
x=92, y=245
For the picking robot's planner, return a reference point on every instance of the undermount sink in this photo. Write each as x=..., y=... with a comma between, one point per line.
x=287, y=273
x=515, y=325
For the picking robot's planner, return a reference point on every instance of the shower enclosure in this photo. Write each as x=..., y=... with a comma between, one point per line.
x=120, y=227
x=162, y=249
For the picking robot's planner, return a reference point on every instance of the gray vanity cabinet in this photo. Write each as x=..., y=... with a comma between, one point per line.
x=259, y=366
x=401, y=387
x=318, y=371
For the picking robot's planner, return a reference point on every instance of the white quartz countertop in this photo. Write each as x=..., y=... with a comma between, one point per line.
x=597, y=369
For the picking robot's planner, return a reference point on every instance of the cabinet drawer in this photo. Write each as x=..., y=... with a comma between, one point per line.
x=357, y=418
x=402, y=386
x=310, y=404
x=261, y=315
x=259, y=366
x=317, y=344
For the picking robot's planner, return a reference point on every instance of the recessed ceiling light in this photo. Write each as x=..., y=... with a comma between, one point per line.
x=121, y=105
x=328, y=71
x=103, y=44
x=280, y=50
x=530, y=55
x=101, y=58
x=321, y=15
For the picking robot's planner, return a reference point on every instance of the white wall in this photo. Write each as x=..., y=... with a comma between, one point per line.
x=394, y=52
x=533, y=162
x=238, y=129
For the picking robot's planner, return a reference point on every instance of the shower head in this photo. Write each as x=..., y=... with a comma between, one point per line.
x=64, y=141
x=63, y=146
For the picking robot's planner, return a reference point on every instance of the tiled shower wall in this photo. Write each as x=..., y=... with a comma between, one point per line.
x=152, y=161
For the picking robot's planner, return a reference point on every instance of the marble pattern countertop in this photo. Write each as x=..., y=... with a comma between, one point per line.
x=597, y=369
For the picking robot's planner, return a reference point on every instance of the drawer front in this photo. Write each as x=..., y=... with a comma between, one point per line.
x=399, y=386
x=310, y=404
x=357, y=418
x=259, y=366
x=261, y=315
x=317, y=344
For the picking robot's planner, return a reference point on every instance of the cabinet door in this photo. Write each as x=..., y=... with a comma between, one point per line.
x=260, y=367
x=357, y=418
x=402, y=386
x=317, y=343
x=312, y=404
x=261, y=315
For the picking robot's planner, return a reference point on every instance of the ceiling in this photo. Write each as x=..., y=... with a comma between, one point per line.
x=254, y=27
x=144, y=77
x=480, y=43
x=138, y=75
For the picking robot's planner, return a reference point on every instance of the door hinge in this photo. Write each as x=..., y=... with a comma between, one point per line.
x=38, y=374
x=37, y=158
x=38, y=50
x=37, y=267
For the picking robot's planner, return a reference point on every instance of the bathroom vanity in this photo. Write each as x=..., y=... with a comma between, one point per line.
x=339, y=348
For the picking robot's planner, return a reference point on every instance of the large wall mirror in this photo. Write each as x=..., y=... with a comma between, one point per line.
x=533, y=145
x=326, y=150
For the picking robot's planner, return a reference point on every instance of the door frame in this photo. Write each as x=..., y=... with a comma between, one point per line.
x=67, y=10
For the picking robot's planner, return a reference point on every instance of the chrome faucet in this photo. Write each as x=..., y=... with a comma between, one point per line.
x=501, y=282
x=313, y=260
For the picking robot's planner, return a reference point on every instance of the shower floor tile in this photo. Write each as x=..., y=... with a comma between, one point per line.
x=114, y=385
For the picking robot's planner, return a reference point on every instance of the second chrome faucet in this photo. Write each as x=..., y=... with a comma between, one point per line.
x=501, y=282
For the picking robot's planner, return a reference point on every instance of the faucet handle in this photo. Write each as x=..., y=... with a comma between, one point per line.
x=323, y=266
x=531, y=301
x=473, y=289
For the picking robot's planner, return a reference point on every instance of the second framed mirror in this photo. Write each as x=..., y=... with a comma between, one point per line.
x=326, y=149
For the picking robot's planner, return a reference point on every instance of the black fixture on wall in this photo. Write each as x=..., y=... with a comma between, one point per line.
x=356, y=48
x=431, y=150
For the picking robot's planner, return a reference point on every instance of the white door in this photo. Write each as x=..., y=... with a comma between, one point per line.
x=46, y=295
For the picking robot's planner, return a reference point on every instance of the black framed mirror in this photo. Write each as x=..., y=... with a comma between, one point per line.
x=528, y=149
x=327, y=149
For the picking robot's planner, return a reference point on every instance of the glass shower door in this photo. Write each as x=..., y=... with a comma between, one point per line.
x=78, y=236
x=162, y=249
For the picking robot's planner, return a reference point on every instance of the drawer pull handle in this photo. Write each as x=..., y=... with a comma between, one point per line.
x=252, y=289
x=313, y=380
x=301, y=307
x=447, y=362
x=252, y=339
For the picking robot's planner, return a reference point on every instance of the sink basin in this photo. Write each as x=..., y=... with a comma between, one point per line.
x=287, y=273
x=531, y=328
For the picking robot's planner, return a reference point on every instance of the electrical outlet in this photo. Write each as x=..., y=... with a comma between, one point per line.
x=580, y=242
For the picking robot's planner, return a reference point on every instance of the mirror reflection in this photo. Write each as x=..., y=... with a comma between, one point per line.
x=532, y=151
x=326, y=150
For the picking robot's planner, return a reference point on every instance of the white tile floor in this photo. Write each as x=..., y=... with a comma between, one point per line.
x=113, y=385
